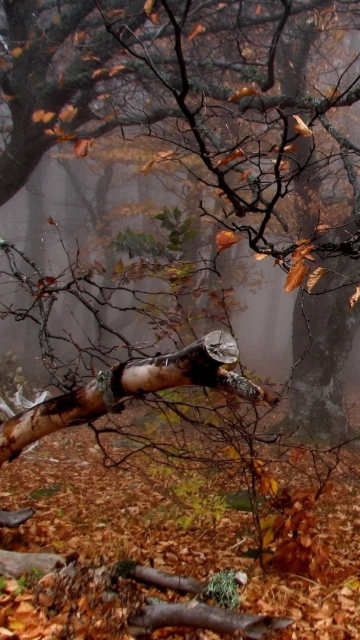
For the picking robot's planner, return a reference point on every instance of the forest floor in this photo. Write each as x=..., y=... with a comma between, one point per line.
x=99, y=515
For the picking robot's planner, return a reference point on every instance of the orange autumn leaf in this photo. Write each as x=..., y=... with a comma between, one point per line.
x=81, y=147
x=260, y=256
x=148, y=7
x=301, y=128
x=295, y=276
x=68, y=113
x=161, y=155
x=243, y=92
x=238, y=153
x=226, y=239
x=303, y=250
x=197, y=28
x=99, y=73
x=115, y=70
x=42, y=116
x=354, y=298
x=314, y=277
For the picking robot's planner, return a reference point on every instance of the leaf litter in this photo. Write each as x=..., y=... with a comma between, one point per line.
x=95, y=516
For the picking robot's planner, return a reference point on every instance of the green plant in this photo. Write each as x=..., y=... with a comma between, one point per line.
x=222, y=588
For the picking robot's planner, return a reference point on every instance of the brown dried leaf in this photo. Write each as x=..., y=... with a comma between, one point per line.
x=226, y=239
x=314, y=277
x=245, y=174
x=301, y=128
x=238, y=153
x=295, y=276
x=354, y=298
x=148, y=7
x=243, y=92
x=81, y=147
x=197, y=28
x=161, y=155
x=115, y=70
x=68, y=113
x=99, y=73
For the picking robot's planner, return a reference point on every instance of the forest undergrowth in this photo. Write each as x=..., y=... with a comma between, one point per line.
x=310, y=569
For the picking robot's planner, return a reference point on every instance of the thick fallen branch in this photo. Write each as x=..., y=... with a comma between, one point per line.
x=161, y=579
x=15, y=564
x=202, y=616
x=198, y=364
x=11, y=519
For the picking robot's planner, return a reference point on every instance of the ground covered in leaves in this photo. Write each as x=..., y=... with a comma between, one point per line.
x=97, y=516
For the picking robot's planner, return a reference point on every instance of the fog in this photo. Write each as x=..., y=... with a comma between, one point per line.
x=262, y=326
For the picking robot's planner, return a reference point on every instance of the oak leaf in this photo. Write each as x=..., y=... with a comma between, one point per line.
x=243, y=92
x=314, y=277
x=197, y=28
x=295, y=276
x=226, y=239
x=301, y=128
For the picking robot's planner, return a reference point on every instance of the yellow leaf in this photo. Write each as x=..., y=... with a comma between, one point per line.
x=16, y=53
x=314, y=277
x=295, y=276
x=352, y=583
x=197, y=28
x=238, y=153
x=243, y=92
x=268, y=485
x=267, y=538
x=225, y=239
x=354, y=298
x=301, y=128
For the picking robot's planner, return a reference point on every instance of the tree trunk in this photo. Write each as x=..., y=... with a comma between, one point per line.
x=323, y=331
x=198, y=364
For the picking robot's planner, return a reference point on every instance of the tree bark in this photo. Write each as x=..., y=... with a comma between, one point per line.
x=198, y=364
x=323, y=333
x=202, y=616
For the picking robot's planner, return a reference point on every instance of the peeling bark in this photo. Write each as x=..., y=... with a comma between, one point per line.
x=198, y=364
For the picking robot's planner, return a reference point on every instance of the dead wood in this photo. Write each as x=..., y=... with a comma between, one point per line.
x=198, y=364
x=202, y=616
x=11, y=519
x=15, y=564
